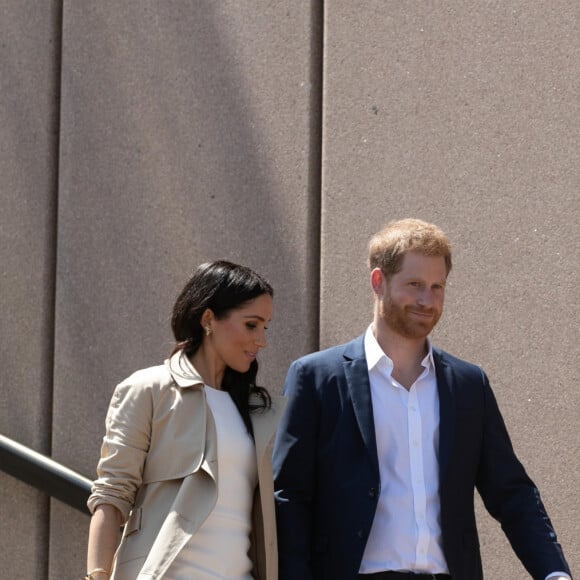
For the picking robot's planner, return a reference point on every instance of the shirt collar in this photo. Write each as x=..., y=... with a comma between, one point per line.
x=182, y=371
x=375, y=354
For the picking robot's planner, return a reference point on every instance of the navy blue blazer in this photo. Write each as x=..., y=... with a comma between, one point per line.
x=327, y=474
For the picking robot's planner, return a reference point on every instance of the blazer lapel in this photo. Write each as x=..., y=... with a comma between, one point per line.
x=447, y=410
x=357, y=378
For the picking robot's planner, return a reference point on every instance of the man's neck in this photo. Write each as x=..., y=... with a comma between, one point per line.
x=406, y=353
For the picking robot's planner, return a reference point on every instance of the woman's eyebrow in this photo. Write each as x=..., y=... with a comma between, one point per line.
x=255, y=316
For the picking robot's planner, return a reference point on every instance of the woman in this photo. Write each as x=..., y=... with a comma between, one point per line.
x=185, y=461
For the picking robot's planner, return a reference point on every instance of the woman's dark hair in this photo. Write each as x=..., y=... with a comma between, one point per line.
x=222, y=287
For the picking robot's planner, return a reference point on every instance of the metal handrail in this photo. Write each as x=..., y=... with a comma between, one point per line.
x=45, y=474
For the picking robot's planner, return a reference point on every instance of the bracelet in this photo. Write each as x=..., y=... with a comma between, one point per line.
x=89, y=575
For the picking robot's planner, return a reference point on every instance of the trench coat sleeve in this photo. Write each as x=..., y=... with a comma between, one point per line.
x=124, y=449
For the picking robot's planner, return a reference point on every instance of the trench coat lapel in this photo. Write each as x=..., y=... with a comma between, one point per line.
x=193, y=503
x=264, y=424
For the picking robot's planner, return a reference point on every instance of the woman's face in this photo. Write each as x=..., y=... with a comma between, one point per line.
x=236, y=339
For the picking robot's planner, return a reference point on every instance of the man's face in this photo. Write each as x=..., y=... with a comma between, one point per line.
x=411, y=302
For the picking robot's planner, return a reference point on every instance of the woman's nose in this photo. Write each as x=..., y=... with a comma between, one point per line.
x=261, y=339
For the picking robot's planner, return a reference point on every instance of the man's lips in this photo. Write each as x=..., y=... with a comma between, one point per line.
x=422, y=313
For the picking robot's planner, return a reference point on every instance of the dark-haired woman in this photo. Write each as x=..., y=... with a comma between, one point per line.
x=185, y=461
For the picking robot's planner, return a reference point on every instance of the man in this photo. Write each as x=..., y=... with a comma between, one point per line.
x=386, y=437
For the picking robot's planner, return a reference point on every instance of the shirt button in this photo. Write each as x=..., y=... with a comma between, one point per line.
x=360, y=534
x=372, y=492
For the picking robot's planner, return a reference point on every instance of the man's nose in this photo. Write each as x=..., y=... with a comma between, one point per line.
x=426, y=297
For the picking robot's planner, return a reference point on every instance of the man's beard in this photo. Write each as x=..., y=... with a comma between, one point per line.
x=400, y=319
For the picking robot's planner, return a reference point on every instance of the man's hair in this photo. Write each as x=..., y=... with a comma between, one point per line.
x=388, y=247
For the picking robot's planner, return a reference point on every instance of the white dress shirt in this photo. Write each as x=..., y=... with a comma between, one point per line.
x=406, y=530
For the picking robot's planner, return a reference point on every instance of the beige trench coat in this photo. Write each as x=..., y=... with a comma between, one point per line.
x=159, y=467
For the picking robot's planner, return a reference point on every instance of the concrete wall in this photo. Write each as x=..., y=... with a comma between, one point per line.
x=140, y=139
x=29, y=89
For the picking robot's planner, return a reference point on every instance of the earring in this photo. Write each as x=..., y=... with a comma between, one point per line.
x=207, y=330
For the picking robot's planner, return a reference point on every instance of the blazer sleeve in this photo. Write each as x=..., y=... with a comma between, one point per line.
x=294, y=466
x=511, y=497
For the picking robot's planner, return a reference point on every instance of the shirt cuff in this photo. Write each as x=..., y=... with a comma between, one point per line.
x=558, y=575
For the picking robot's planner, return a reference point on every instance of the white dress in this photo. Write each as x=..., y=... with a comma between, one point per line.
x=219, y=549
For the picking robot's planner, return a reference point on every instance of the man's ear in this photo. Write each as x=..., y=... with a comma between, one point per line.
x=377, y=281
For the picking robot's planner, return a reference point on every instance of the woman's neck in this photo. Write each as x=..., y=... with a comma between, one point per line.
x=208, y=367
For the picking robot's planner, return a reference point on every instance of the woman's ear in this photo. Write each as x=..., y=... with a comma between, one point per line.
x=207, y=318
x=377, y=281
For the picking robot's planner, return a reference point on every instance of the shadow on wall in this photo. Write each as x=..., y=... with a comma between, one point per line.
x=183, y=163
